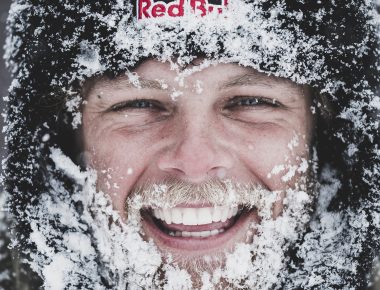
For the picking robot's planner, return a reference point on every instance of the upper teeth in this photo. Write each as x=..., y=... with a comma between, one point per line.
x=195, y=216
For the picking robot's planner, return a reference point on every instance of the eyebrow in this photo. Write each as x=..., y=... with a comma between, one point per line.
x=140, y=83
x=245, y=79
x=249, y=79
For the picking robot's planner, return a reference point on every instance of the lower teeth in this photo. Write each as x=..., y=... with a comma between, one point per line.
x=203, y=234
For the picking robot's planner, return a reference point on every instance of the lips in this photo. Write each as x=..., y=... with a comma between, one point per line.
x=196, y=230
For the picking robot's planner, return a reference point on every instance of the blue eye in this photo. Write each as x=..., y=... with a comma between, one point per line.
x=135, y=104
x=141, y=104
x=246, y=101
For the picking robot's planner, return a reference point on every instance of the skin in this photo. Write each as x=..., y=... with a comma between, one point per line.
x=198, y=135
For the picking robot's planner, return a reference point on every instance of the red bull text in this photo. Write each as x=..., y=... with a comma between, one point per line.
x=176, y=8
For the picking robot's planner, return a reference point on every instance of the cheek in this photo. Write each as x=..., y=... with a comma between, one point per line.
x=265, y=153
x=270, y=156
x=118, y=162
x=121, y=157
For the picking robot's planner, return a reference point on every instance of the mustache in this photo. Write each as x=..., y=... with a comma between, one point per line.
x=171, y=193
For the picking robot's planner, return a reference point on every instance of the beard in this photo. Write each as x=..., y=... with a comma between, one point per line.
x=103, y=250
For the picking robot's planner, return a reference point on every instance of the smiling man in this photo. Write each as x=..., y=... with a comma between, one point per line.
x=228, y=122
x=193, y=144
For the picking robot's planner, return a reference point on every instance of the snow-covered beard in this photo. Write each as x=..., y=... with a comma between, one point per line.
x=118, y=254
x=101, y=250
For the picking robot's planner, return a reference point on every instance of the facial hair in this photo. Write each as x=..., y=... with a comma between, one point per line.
x=265, y=254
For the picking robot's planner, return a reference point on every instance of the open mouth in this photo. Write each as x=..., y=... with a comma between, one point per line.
x=198, y=228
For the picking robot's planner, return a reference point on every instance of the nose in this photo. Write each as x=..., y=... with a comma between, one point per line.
x=197, y=154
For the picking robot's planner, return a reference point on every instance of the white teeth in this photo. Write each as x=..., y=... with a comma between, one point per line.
x=204, y=216
x=224, y=216
x=176, y=216
x=217, y=213
x=214, y=232
x=157, y=213
x=229, y=213
x=185, y=234
x=195, y=216
x=234, y=210
x=203, y=234
x=168, y=216
x=189, y=216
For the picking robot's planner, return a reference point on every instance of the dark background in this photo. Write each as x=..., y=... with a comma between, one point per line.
x=4, y=75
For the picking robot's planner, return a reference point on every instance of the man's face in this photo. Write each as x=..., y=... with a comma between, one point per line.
x=216, y=124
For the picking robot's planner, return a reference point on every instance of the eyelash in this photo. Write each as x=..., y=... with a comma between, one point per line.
x=232, y=103
x=247, y=101
x=135, y=104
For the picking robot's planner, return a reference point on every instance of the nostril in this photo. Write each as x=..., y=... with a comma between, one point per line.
x=196, y=161
x=221, y=172
x=174, y=170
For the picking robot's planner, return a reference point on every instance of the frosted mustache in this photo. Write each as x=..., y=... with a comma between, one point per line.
x=214, y=192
